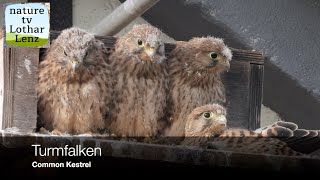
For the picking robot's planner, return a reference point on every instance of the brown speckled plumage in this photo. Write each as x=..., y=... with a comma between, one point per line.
x=195, y=78
x=74, y=84
x=212, y=133
x=252, y=144
x=141, y=85
x=200, y=129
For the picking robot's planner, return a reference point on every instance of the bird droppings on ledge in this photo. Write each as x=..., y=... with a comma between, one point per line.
x=13, y=130
x=27, y=64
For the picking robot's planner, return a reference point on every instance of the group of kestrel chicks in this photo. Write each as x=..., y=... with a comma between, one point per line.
x=135, y=90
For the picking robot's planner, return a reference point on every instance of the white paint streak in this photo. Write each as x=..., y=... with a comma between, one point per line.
x=27, y=64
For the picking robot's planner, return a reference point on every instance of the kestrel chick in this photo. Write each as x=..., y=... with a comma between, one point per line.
x=74, y=85
x=141, y=86
x=204, y=123
x=194, y=70
x=206, y=126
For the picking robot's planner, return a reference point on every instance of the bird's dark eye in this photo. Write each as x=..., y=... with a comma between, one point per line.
x=64, y=52
x=207, y=115
x=213, y=55
x=86, y=54
x=140, y=42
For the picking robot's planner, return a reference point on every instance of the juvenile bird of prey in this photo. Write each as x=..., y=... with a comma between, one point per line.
x=141, y=86
x=74, y=84
x=206, y=127
x=195, y=68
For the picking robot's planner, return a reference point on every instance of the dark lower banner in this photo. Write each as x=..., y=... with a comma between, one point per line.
x=61, y=154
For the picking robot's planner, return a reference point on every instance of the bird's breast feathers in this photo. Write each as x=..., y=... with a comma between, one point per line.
x=79, y=93
x=89, y=89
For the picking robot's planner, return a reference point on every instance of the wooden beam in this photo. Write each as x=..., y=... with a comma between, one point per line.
x=1, y=78
x=8, y=87
x=255, y=95
x=238, y=55
x=236, y=82
x=19, y=69
x=25, y=77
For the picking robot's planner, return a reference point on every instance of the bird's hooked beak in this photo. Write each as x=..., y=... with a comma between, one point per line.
x=150, y=51
x=226, y=63
x=221, y=119
x=74, y=64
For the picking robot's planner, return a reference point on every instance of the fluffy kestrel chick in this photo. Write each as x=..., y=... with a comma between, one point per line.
x=74, y=85
x=194, y=70
x=206, y=126
x=204, y=123
x=141, y=86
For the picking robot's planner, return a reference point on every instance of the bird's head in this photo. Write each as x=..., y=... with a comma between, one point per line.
x=207, y=120
x=77, y=49
x=209, y=54
x=143, y=43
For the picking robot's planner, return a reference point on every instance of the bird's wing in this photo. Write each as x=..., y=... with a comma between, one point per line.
x=305, y=141
x=301, y=140
x=280, y=129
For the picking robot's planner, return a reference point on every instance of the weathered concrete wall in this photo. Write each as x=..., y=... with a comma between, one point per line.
x=287, y=31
